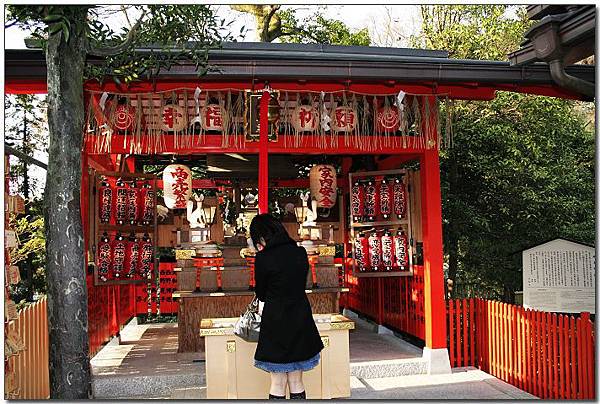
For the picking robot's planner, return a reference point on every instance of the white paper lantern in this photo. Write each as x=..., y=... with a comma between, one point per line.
x=177, y=186
x=323, y=185
x=174, y=118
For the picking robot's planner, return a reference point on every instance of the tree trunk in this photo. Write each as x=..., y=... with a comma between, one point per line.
x=67, y=291
x=28, y=260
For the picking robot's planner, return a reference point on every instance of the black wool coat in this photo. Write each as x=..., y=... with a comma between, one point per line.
x=287, y=331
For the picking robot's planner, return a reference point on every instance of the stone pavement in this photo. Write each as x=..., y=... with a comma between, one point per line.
x=146, y=365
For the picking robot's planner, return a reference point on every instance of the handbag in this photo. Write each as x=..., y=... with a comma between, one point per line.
x=248, y=325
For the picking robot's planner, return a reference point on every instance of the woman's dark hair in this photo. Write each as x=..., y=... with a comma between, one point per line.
x=265, y=226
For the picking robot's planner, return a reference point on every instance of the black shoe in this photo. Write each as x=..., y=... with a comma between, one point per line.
x=272, y=397
x=298, y=396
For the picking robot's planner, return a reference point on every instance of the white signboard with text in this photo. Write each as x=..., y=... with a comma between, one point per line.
x=559, y=276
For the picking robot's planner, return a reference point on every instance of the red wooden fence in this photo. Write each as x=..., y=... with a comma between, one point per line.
x=548, y=355
x=393, y=301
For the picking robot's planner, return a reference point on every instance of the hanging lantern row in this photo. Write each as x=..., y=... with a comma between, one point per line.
x=145, y=118
x=121, y=258
x=376, y=252
x=125, y=202
x=372, y=200
x=177, y=186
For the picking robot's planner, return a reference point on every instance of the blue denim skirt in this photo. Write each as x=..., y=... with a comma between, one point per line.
x=288, y=367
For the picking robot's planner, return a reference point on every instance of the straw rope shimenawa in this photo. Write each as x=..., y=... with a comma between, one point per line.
x=415, y=119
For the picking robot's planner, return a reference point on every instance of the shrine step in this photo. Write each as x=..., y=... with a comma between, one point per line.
x=141, y=387
x=389, y=368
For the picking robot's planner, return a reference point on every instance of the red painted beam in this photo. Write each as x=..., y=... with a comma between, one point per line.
x=263, y=155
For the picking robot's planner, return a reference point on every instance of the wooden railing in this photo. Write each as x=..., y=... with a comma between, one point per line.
x=548, y=355
x=30, y=367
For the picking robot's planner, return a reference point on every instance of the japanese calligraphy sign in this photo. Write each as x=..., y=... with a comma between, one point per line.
x=344, y=119
x=177, y=183
x=211, y=117
x=305, y=118
x=388, y=119
x=323, y=185
x=173, y=118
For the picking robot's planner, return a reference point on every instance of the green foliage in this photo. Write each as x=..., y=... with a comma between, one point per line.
x=471, y=32
x=318, y=29
x=522, y=167
x=172, y=34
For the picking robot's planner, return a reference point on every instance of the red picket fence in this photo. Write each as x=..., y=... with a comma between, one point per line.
x=109, y=308
x=548, y=355
x=397, y=302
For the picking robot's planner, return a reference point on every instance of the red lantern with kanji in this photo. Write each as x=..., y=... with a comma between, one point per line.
x=357, y=201
x=177, y=186
x=344, y=119
x=401, y=250
x=124, y=117
x=133, y=203
x=388, y=119
x=132, y=257
x=385, y=199
x=371, y=200
x=305, y=118
x=375, y=251
x=104, y=258
x=399, y=198
x=121, y=204
x=146, y=255
x=105, y=201
x=118, y=260
x=323, y=185
x=211, y=117
x=147, y=201
x=361, y=251
x=387, y=253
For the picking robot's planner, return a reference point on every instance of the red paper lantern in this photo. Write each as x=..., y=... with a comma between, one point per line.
x=104, y=260
x=385, y=199
x=323, y=185
x=133, y=203
x=361, y=250
x=399, y=198
x=357, y=201
x=105, y=201
x=387, y=246
x=118, y=262
x=371, y=200
x=375, y=251
x=388, y=119
x=124, y=117
x=401, y=250
x=121, y=205
x=147, y=201
x=146, y=256
x=132, y=257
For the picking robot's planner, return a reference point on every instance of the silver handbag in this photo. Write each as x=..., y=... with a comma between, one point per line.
x=248, y=325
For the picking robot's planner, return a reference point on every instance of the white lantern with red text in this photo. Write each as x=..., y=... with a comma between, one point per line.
x=305, y=118
x=174, y=118
x=177, y=186
x=212, y=117
x=323, y=185
x=344, y=119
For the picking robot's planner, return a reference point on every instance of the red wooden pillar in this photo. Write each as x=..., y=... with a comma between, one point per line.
x=263, y=155
x=433, y=275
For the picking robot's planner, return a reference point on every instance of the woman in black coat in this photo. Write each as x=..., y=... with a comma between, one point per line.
x=289, y=342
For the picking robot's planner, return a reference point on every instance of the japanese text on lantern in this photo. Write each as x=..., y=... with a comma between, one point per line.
x=180, y=187
x=326, y=190
x=344, y=119
x=213, y=118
